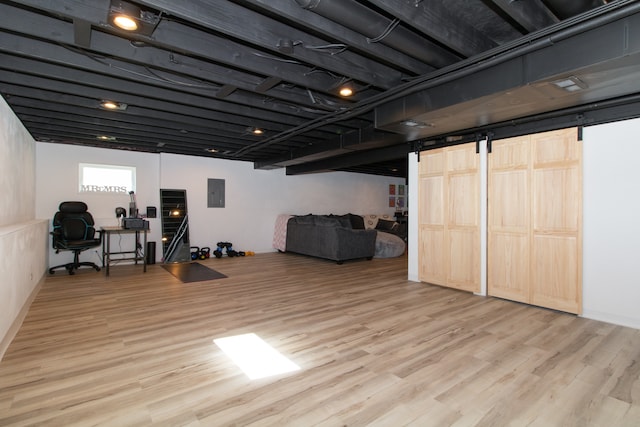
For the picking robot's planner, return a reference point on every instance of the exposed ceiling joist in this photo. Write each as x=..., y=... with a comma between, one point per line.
x=258, y=80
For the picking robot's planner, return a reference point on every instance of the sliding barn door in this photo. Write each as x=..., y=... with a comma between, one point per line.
x=509, y=219
x=535, y=220
x=448, y=212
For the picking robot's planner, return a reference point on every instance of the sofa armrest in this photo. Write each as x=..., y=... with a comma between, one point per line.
x=355, y=243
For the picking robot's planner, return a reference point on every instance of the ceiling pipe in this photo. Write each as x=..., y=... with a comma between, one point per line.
x=568, y=8
x=363, y=20
x=565, y=29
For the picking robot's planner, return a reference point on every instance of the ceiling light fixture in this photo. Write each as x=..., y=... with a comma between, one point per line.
x=346, y=90
x=125, y=22
x=124, y=15
x=106, y=138
x=570, y=84
x=257, y=131
x=129, y=17
x=416, y=124
x=112, y=105
x=211, y=150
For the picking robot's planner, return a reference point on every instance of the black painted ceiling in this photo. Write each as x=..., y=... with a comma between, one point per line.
x=206, y=73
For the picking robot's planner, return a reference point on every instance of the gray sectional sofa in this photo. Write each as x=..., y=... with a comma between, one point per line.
x=330, y=237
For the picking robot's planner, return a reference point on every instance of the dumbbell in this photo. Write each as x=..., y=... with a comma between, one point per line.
x=218, y=252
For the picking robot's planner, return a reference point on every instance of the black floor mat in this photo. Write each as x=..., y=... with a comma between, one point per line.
x=192, y=272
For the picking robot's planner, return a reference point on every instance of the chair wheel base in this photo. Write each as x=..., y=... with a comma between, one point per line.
x=73, y=267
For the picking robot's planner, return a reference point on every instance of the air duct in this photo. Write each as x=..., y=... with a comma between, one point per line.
x=568, y=8
x=590, y=63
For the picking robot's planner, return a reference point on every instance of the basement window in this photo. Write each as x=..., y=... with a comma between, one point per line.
x=106, y=179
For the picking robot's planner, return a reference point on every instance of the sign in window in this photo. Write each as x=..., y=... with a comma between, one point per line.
x=107, y=178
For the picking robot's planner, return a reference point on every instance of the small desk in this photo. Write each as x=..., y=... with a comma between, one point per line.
x=137, y=254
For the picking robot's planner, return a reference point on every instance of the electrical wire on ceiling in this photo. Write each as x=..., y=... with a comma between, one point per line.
x=319, y=101
x=179, y=83
x=275, y=58
x=392, y=25
x=151, y=76
x=322, y=70
x=340, y=47
x=323, y=48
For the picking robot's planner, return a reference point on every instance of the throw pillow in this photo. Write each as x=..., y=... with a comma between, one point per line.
x=357, y=222
x=384, y=225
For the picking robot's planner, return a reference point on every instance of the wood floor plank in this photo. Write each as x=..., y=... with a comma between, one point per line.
x=374, y=349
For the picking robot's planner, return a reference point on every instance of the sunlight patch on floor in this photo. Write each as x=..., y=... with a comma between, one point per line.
x=255, y=357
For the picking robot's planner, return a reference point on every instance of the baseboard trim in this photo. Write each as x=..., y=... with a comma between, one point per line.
x=612, y=318
x=17, y=322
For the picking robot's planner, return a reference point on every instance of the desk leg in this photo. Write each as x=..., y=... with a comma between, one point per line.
x=144, y=252
x=108, y=253
x=136, y=251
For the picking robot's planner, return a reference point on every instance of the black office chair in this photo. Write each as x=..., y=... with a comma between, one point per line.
x=73, y=230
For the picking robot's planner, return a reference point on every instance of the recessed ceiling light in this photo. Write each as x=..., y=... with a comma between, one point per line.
x=125, y=22
x=417, y=124
x=346, y=90
x=124, y=15
x=129, y=17
x=112, y=105
x=109, y=105
x=570, y=84
x=211, y=150
x=106, y=138
x=257, y=131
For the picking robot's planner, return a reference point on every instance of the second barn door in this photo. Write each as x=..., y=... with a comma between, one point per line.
x=535, y=220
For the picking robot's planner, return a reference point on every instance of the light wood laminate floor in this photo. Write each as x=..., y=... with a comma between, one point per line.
x=136, y=349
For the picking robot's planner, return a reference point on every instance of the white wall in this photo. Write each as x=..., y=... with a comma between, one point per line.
x=254, y=198
x=611, y=222
x=22, y=238
x=413, y=272
x=57, y=179
x=611, y=245
x=17, y=180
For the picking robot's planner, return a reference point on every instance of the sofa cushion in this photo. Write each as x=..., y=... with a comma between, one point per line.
x=304, y=219
x=371, y=220
x=332, y=221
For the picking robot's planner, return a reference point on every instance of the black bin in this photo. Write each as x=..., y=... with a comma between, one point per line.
x=150, y=253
